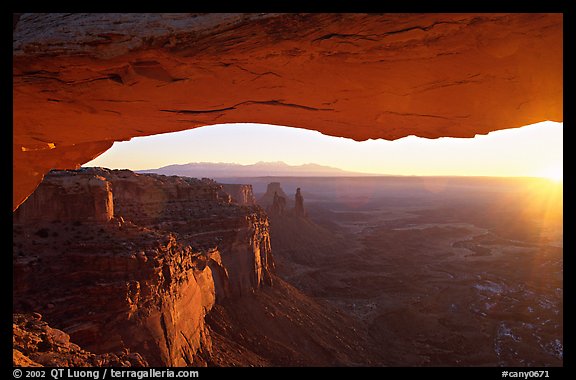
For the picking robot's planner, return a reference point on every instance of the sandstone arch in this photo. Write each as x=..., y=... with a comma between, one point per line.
x=83, y=81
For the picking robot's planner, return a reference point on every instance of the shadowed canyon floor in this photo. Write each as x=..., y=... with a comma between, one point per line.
x=281, y=326
x=457, y=272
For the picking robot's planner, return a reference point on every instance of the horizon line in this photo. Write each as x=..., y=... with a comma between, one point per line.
x=358, y=175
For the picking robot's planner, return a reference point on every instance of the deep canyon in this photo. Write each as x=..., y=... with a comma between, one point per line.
x=169, y=268
x=148, y=269
x=114, y=268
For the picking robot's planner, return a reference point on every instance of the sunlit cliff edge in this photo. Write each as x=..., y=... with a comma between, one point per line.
x=136, y=261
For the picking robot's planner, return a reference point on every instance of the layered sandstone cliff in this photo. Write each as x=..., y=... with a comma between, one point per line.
x=69, y=197
x=196, y=211
x=241, y=194
x=146, y=279
x=114, y=287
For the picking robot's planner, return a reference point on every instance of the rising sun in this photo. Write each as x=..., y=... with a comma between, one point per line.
x=555, y=174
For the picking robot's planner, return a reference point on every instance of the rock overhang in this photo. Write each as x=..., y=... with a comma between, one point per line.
x=83, y=81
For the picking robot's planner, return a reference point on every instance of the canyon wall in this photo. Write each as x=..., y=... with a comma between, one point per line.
x=69, y=197
x=241, y=194
x=84, y=80
x=117, y=287
x=147, y=277
x=203, y=217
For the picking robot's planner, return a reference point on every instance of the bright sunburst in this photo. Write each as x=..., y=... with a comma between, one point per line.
x=555, y=173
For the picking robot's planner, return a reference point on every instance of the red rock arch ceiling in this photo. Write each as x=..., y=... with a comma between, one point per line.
x=83, y=81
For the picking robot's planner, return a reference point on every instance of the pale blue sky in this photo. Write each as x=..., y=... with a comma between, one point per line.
x=534, y=150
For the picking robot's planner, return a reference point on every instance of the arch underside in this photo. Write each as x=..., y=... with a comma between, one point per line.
x=83, y=81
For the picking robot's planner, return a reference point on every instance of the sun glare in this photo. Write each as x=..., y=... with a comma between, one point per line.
x=555, y=174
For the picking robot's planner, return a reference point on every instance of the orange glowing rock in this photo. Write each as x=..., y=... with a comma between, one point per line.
x=83, y=81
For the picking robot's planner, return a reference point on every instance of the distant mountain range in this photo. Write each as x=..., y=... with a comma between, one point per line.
x=259, y=169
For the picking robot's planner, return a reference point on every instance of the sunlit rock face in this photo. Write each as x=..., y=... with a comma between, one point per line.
x=69, y=197
x=196, y=210
x=142, y=274
x=83, y=81
x=126, y=288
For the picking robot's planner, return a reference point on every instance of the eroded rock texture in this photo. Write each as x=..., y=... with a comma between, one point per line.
x=195, y=210
x=83, y=81
x=69, y=197
x=240, y=194
x=36, y=344
x=146, y=278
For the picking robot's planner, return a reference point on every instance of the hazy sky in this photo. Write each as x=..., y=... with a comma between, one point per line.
x=534, y=150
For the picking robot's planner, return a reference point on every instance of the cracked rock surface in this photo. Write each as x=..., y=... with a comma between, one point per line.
x=83, y=81
x=36, y=344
